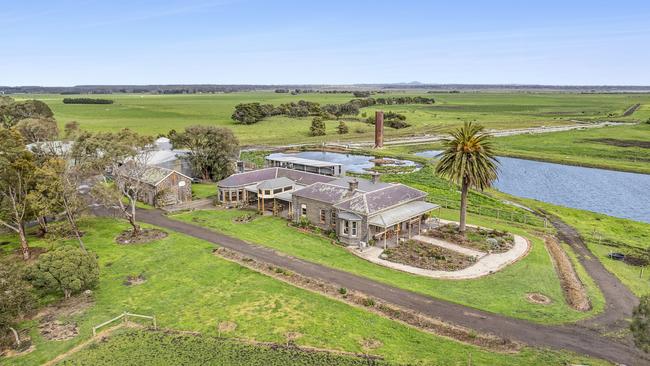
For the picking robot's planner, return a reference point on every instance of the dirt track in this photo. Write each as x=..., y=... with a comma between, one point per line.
x=581, y=338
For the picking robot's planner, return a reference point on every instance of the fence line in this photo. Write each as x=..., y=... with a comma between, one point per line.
x=125, y=316
x=499, y=214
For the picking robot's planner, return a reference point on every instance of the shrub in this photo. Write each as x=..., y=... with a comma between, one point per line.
x=343, y=291
x=640, y=326
x=16, y=300
x=368, y=301
x=86, y=101
x=304, y=222
x=67, y=269
x=342, y=128
x=317, y=127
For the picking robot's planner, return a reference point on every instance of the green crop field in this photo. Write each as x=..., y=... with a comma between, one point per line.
x=189, y=288
x=157, y=114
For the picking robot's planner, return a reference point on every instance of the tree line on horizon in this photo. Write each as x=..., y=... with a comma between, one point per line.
x=250, y=113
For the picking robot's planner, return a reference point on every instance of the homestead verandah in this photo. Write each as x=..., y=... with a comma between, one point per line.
x=401, y=222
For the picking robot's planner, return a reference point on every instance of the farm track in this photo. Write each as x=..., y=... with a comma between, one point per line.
x=424, y=139
x=583, y=337
x=619, y=300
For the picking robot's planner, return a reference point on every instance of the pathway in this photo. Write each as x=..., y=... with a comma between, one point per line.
x=423, y=139
x=572, y=337
x=486, y=264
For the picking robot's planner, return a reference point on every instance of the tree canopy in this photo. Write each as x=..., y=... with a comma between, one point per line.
x=38, y=129
x=317, y=127
x=67, y=269
x=17, y=166
x=14, y=112
x=212, y=150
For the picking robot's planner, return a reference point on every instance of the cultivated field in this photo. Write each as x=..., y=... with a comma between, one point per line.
x=157, y=114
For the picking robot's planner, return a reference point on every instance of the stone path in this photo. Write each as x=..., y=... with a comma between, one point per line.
x=486, y=264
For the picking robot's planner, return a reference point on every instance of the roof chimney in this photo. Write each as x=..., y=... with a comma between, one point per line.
x=375, y=177
x=379, y=129
x=353, y=185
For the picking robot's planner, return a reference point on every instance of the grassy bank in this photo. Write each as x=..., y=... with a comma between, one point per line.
x=188, y=288
x=503, y=292
x=155, y=114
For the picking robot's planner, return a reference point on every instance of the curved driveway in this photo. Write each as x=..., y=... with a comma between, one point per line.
x=579, y=338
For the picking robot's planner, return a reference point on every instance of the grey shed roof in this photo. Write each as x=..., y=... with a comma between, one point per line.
x=382, y=199
x=325, y=192
x=153, y=175
x=401, y=213
x=275, y=183
x=303, y=178
x=256, y=176
x=302, y=161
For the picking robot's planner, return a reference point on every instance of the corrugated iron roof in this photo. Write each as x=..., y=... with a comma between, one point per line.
x=401, y=213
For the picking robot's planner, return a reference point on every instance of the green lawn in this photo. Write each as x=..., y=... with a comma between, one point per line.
x=188, y=288
x=203, y=190
x=154, y=114
x=503, y=292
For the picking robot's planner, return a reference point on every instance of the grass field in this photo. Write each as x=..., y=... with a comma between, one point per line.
x=503, y=292
x=188, y=288
x=156, y=114
x=593, y=147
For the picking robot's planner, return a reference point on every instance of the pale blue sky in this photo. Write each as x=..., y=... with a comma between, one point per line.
x=326, y=42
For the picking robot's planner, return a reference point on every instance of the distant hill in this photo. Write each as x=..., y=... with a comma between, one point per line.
x=410, y=86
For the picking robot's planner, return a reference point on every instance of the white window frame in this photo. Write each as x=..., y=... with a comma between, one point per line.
x=303, y=210
x=322, y=216
x=354, y=228
x=345, y=227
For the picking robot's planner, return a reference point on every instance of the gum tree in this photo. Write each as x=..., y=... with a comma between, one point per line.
x=17, y=168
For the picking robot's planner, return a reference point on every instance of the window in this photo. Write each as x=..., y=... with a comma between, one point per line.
x=303, y=209
x=333, y=218
x=277, y=190
x=346, y=226
x=221, y=195
x=323, y=216
x=267, y=192
x=287, y=188
x=354, y=228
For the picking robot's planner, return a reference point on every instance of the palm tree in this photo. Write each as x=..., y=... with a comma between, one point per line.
x=468, y=160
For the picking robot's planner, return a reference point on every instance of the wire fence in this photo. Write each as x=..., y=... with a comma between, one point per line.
x=513, y=215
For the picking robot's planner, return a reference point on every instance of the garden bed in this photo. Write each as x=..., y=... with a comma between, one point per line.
x=427, y=256
x=144, y=236
x=484, y=240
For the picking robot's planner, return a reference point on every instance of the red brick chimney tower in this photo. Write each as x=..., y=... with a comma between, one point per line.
x=379, y=129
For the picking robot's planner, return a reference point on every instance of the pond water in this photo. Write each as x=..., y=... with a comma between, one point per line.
x=351, y=162
x=613, y=193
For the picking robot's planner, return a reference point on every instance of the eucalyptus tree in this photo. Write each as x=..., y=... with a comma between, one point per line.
x=17, y=178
